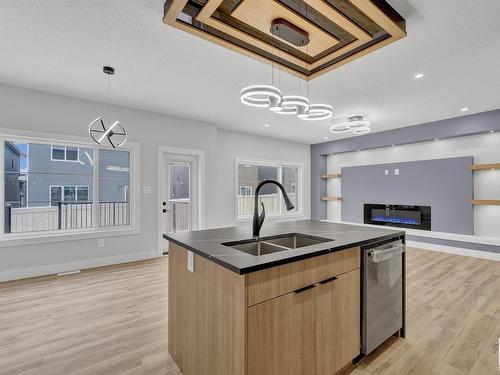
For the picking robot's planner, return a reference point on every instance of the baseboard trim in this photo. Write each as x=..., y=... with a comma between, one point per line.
x=53, y=269
x=455, y=250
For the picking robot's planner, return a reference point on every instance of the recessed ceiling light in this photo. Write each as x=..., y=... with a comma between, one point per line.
x=266, y=125
x=436, y=139
x=464, y=109
x=325, y=137
x=492, y=131
x=419, y=75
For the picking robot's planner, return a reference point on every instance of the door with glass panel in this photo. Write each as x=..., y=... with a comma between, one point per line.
x=180, y=203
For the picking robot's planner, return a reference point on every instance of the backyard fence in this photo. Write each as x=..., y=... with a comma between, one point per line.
x=65, y=215
x=271, y=202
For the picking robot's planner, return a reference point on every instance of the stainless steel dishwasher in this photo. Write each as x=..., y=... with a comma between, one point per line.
x=383, y=293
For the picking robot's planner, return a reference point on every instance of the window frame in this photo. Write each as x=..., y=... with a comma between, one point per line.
x=65, y=153
x=27, y=238
x=298, y=213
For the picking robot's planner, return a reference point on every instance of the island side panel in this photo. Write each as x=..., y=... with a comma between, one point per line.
x=206, y=316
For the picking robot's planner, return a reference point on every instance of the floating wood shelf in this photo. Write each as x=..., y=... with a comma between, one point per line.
x=331, y=175
x=484, y=167
x=486, y=202
x=330, y=198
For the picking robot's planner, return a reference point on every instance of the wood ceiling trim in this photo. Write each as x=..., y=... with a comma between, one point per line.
x=339, y=19
x=173, y=11
x=260, y=13
x=205, y=17
x=391, y=22
x=233, y=47
x=368, y=8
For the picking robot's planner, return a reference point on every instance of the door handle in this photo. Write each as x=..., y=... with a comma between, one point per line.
x=329, y=280
x=300, y=290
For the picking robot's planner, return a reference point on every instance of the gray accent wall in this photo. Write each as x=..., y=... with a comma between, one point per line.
x=447, y=185
x=450, y=128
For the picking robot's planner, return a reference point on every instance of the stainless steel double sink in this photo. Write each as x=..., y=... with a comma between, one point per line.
x=274, y=244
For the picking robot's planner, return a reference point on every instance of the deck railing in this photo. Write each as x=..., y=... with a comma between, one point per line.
x=47, y=216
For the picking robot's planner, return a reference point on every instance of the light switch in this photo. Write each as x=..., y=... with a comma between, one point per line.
x=396, y=172
x=190, y=261
x=387, y=172
x=100, y=242
x=147, y=189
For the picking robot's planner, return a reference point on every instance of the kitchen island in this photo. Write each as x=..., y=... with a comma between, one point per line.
x=287, y=304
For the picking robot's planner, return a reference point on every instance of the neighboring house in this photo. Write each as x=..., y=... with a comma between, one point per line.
x=114, y=180
x=58, y=174
x=12, y=166
x=249, y=177
x=64, y=174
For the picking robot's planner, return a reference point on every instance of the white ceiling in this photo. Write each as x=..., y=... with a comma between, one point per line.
x=61, y=45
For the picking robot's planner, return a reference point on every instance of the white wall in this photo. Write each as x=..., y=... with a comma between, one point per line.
x=484, y=148
x=29, y=110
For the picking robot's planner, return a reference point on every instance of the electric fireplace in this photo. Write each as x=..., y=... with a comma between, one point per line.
x=414, y=217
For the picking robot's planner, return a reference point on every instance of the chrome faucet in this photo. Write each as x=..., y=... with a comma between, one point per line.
x=258, y=220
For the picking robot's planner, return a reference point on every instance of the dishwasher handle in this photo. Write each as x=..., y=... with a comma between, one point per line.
x=379, y=255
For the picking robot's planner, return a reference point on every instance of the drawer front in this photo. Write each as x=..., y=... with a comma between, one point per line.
x=273, y=282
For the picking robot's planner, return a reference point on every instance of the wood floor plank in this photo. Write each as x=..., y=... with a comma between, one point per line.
x=113, y=321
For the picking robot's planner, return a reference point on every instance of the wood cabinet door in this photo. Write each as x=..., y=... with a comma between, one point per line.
x=281, y=335
x=337, y=322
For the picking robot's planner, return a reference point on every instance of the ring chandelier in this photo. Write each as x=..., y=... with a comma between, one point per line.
x=356, y=124
x=265, y=96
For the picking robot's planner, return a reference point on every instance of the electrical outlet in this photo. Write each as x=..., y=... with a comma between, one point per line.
x=396, y=172
x=100, y=242
x=190, y=261
x=387, y=172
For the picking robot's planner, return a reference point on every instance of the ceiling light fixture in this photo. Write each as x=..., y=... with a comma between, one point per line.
x=419, y=75
x=266, y=125
x=361, y=130
x=269, y=96
x=317, y=112
x=260, y=96
x=356, y=124
x=464, y=109
x=116, y=135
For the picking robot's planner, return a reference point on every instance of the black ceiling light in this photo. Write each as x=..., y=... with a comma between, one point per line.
x=116, y=135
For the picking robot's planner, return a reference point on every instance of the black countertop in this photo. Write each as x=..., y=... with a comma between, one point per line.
x=207, y=243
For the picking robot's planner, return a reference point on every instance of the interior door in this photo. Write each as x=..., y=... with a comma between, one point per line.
x=179, y=194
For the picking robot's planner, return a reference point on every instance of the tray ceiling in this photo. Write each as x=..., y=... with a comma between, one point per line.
x=338, y=30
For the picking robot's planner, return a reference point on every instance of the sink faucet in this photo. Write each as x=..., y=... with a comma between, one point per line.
x=258, y=220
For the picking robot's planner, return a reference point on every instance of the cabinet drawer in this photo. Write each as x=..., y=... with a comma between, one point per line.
x=273, y=282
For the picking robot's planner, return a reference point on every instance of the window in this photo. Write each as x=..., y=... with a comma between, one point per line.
x=250, y=174
x=245, y=191
x=114, y=181
x=70, y=192
x=43, y=196
x=65, y=153
x=179, y=181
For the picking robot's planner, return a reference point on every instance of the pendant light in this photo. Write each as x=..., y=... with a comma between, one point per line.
x=115, y=135
x=269, y=96
x=261, y=96
x=356, y=124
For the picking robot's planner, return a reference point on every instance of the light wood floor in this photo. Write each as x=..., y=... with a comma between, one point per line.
x=112, y=321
